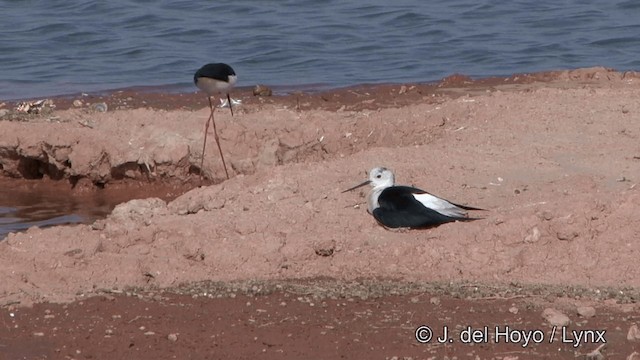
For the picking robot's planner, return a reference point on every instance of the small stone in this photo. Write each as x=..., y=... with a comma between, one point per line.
x=586, y=311
x=634, y=356
x=324, y=248
x=38, y=334
x=594, y=355
x=100, y=107
x=3, y=112
x=533, y=236
x=514, y=310
x=634, y=333
x=555, y=317
x=149, y=333
x=262, y=90
x=565, y=235
x=172, y=337
x=434, y=300
x=415, y=300
x=77, y=103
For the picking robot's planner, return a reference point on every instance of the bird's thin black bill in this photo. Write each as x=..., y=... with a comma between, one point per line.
x=357, y=186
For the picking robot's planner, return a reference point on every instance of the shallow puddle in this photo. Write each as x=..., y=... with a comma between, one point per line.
x=28, y=203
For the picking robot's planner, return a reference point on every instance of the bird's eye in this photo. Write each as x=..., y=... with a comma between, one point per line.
x=378, y=176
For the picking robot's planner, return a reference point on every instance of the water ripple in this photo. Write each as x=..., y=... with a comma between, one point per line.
x=49, y=47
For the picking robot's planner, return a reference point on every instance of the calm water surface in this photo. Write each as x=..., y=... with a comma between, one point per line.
x=50, y=47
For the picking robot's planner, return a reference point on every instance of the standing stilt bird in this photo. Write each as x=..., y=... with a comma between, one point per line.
x=215, y=79
x=408, y=207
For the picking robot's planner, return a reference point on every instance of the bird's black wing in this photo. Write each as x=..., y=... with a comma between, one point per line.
x=398, y=208
x=217, y=71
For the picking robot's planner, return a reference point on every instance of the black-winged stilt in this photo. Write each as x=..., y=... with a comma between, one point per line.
x=408, y=207
x=215, y=79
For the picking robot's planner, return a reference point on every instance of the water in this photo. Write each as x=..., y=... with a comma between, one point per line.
x=53, y=47
x=22, y=207
x=24, y=204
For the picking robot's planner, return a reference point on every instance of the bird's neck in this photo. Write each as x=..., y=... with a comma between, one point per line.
x=372, y=199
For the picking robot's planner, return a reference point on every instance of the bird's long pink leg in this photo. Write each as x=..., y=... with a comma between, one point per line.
x=215, y=135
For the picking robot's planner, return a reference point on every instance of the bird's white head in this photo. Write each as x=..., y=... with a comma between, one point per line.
x=379, y=177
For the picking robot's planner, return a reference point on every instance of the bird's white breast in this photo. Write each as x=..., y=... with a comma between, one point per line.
x=213, y=86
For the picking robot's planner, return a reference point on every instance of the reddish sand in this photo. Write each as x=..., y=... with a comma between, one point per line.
x=554, y=157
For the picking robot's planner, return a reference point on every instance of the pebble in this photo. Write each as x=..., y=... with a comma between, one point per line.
x=100, y=107
x=262, y=90
x=77, y=103
x=172, y=337
x=594, y=355
x=586, y=311
x=533, y=236
x=514, y=310
x=634, y=356
x=555, y=317
x=634, y=333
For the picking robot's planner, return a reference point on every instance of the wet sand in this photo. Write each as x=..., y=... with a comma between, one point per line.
x=553, y=156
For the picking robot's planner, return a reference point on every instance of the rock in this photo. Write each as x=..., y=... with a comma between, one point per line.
x=547, y=215
x=172, y=337
x=586, y=311
x=133, y=215
x=533, y=236
x=634, y=356
x=262, y=90
x=77, y=103
x=100, y=107
x=205, y=198
x=243, y=166
x=268, y=155
x=594, y=355
x=566, y=235
x=634, y=333
x=324, y=248
x=555, y=317
x=434, y=300
x=3, y=112
x=514, y=310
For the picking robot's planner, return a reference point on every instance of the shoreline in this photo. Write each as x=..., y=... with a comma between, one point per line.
x=162, y=97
